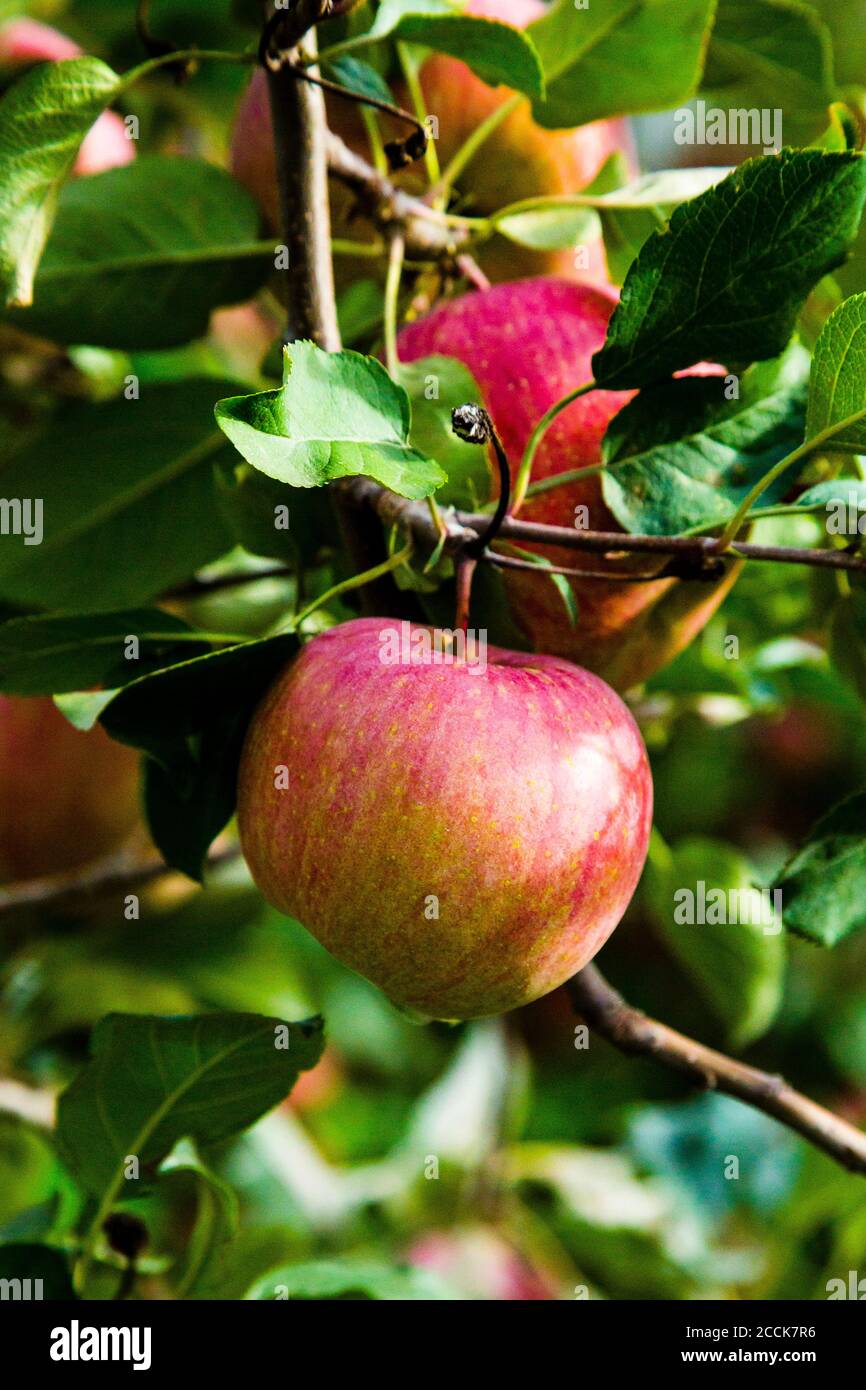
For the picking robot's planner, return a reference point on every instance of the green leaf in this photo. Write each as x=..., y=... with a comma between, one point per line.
x=844, y=19
x=216, y=1219
x=188, y=803
x=359, y=76
x=47, y=655
x=498, y=53
x=129, y=501
x=837, y=389
x=169, y=706
x=152, y=1081
x=337, y=415
x=727, y=277
x=44, y=117
x=629, y=213
x=824, y=885
x=680, y=456
x=771, y=55
x=435, y=386
x=191, y=719
x=324, y=1280
x=140, y=256
x=616, y=57
x=722, y=931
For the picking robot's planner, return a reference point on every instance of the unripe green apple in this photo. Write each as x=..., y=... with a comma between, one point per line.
x=65, y=797
x=464, y=833
x=519, y=160
x=529, y=344
x=24, y=42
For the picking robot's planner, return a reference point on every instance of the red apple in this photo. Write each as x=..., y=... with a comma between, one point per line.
x=24, y=42
x=528, y=344
x=465, y=834
x=65, y=797
x=520, y=159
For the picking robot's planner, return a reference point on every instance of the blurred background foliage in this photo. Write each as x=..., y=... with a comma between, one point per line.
x=501, y=1159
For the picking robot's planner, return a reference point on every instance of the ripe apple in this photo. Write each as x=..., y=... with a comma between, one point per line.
x=464, y=833
x=24, y=42
x=65, y=797
x=520, y=159
x=528, y=344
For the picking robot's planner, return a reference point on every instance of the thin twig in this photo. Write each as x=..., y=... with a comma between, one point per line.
x=638, y=1035
x=106, y=878
x=298, y=115
x=430, y=235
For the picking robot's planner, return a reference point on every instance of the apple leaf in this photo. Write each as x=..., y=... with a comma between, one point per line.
x=498, y=53
x=49, y=655
x=618, y=57
x=153, y=1081
x=188, y=802
x=321, y=1281
x=435, y=386
x=217, y=1214
x=726, y=278
x=140, y=256
x=837, y=389
x=191, y=718
x=771, y=55
x=558, y=223
x=680, y=456
x=824, y=885
x=128, y=500
x=337, y=415
x=844, y=20
x=736, y=963
x=44, y=117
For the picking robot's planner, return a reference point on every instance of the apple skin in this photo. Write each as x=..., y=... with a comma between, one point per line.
x=66, y=797
x=520, y=160
x=24, y=42
x=528, y=344
x=519, y=795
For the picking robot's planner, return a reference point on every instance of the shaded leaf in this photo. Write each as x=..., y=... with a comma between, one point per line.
x=619, y=57
x=498, y=53
x=771, y=54
x=726, y=278
x=140, y=256
x=824, y=885
x=718, y=450
x=152, y=1081
x=129, y=501
x=47, y=655
x=721, y=930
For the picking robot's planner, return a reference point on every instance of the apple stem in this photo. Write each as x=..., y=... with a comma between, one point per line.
x=464, y=573
x=473, y=425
